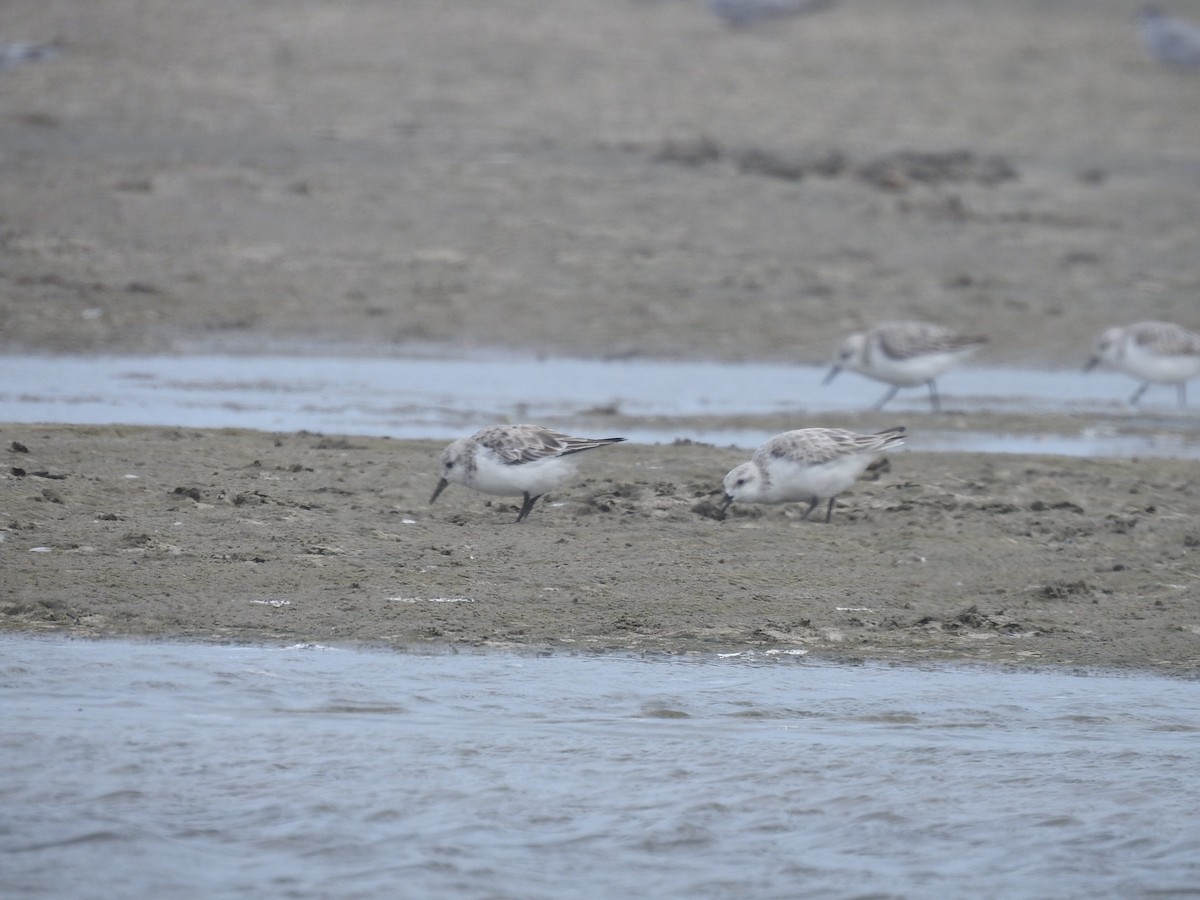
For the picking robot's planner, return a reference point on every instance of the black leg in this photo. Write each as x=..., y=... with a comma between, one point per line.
x=934, y=400
x=526, y=507
x=829, y=511
x=1137, y=395
x=886, y=397
x=811, y=507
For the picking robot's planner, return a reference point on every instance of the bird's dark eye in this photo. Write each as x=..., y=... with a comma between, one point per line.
x=741, y=481
x=450, y=465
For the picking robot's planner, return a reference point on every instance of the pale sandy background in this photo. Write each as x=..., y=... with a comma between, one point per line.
x=603, y=178
x=241, y=535
x=572, y=176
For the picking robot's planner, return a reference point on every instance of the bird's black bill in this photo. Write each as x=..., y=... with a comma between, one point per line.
x=441, y=486
x=1091, y=364
x=832, y=374
x=725, y=503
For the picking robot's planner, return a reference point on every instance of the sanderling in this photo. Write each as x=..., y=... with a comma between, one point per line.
x=513, y=459
x=810, y=464
x=1169, y=40
x=746, y=12
x=1158, y=352
x=904, y=354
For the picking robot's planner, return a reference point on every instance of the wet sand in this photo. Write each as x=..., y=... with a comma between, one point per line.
x=243, y=535
x=599, y=179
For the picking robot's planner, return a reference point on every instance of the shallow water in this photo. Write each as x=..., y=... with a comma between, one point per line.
x=425, y=397
x=226, y=771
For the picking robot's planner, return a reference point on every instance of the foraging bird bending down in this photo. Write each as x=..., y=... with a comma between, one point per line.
x=812, y=464
x=511, y=460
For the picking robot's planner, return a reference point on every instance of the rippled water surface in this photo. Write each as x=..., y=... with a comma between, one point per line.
x=163, y=770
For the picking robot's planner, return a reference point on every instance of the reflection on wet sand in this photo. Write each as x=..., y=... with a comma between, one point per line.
x=985, y=409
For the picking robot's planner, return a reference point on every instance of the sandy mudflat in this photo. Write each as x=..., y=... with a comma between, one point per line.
x=599, y=178
x=239, y=535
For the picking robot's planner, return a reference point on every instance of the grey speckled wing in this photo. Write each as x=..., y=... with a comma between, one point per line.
x=813, y=446
x=516, y=444
x=1166, y=339
x=904, y=340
